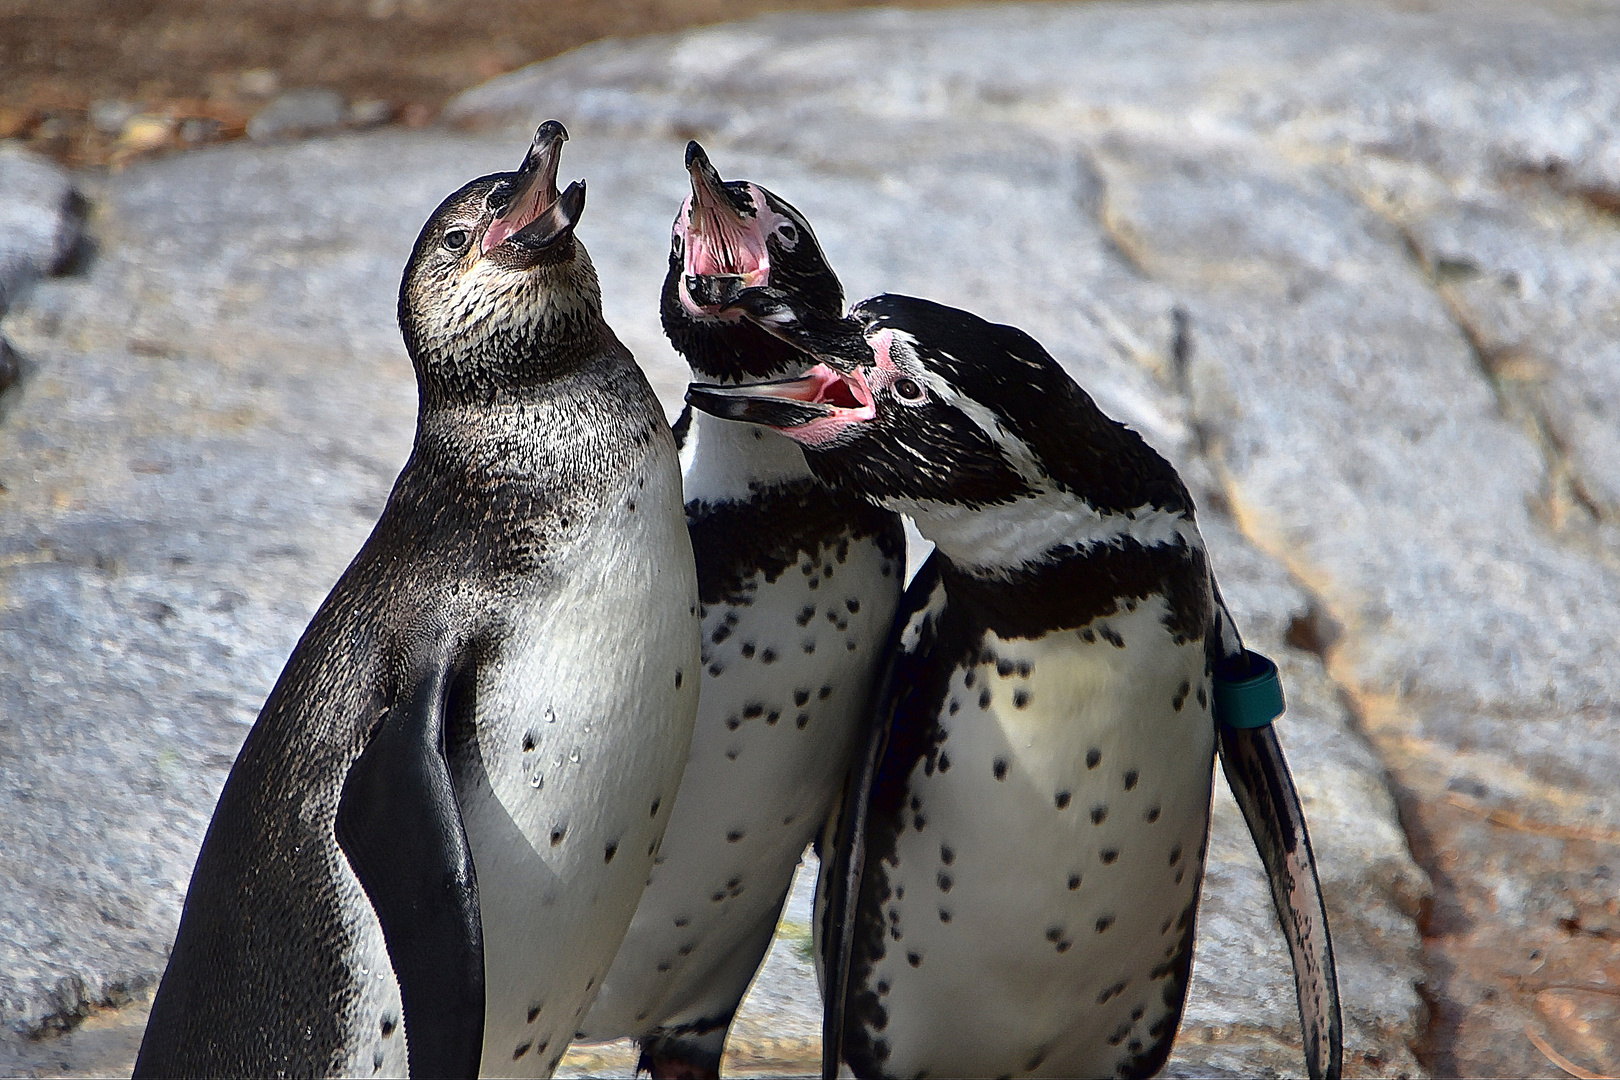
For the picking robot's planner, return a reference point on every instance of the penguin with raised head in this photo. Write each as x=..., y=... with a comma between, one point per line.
x=1017, y=893
x=437, y=831
x=799, y=584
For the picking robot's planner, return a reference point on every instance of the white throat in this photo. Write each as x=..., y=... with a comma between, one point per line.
x=728, y=461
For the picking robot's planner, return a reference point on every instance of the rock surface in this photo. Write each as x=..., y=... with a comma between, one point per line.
x=1352, y=267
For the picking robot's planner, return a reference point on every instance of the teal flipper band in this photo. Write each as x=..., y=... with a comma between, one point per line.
x=1250, y=700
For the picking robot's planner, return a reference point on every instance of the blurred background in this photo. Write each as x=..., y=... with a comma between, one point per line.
x=1352, y=265
x=96, y=82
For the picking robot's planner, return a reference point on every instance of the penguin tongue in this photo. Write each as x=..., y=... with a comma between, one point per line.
x=532, y=190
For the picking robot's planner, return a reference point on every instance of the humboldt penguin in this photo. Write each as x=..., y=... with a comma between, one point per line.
x=1017, y=887
x=799, y=583
x=436, y=833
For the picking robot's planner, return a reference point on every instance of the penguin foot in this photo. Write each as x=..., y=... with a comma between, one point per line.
x=688, y=1052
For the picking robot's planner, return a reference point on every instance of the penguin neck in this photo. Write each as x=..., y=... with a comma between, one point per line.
x=726, y=461
x=586, y=424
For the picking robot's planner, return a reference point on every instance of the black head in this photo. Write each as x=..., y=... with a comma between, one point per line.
x=729, y=236
x=927, y=409
x=498, y=293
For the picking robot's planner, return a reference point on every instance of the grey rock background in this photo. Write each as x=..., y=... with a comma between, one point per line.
x=1354, y=267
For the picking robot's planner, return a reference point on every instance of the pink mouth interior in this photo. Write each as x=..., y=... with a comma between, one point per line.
x=717, y=243
x=519, y=216
x=822, y=385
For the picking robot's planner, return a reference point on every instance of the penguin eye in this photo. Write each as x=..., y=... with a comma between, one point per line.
x=788, y=233
x=908, y=390
x=455, y=240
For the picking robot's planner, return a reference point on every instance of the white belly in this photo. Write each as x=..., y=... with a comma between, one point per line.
x=584, y=721
x=783, y=703
x=1048, y=864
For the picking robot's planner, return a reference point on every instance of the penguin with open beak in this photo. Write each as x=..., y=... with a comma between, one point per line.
x=438, y=829
x=1016, y=884
x=798, y=584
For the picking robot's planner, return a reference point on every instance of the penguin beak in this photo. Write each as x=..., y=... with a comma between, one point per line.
x=725, y=245
x=815, y=409
x=529, y=214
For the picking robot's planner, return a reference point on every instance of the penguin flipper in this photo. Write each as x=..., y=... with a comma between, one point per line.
x=846, y=854
x=400, y=826
x=1258, y=775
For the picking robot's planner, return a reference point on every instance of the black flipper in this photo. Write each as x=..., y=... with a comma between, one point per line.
x=845, y=855
x=1258, y=775
x=400, y=826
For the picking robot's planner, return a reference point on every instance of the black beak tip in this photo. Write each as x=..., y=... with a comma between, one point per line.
x=695, y=157
x=549, y=132
x=572, y=200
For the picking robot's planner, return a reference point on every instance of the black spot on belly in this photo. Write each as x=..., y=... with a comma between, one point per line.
x=984, y=698
x=686, y=950
x=664, y=965
x=748, y=650
x=914, y=959
x=967, y=680
x=768, y=656
x=1136, y=1013
x=1093, y=756
x=824, y=693
x=557, y=834
x=944, y=881
x=918, y=821
x=523, y=1048
x=955, y=706
x=653, y=810
x=1024, y=669
x=716, y=668
x=534, y=1013
x=1061, y=799
x=852, y=604
x=388, y=1026
x=1130, y=779
x=1053, y=933
x=1181, y=696
x=733, y=723
x=682, y=921
x=800, y=697
x=528, y=741
x=1110, y=635
x=731, y=754
x=944, y=916
x=734, y=835
x=1074, y=882
x=773, y=716
x=753, y=711
x=1099, y=814
x=1088, y=636
x=801, y=720
x=610, y=851
x=832, y=617
x=1020, y=698
x=883, y=986
x=1181, y=874
x=1108, y=856
x=1203, y=699
x=805, y=614
x=809, y=647
x=1152, y=815
x=999, y=767
x=1063, y=946
x=720, y=634
x=1005, y=667
x=946, y=855
x=1175, y=854
x=679, y=678
x=944, y=762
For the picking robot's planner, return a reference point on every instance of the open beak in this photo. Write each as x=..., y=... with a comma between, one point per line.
x=529, y=213
x=725, y=250
x=813, y=409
